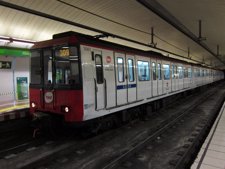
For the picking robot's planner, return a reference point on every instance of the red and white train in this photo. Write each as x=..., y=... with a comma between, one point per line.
x=80, y=78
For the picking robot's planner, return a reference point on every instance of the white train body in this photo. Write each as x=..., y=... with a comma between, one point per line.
x=130, y=80
x=80, y=78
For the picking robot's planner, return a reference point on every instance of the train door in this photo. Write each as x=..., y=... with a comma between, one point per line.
x=144, y=83
x=166, y=79
x=131, y=80
x=159, y=77
x=109, y=78
x=99, y=81
x=185, y=77
x=180, y=77
x=154, y=79
x=194, y=78
x=176, y=77
x=173, y=78
x=121, y=80
x=48, y=94
x=190, y=76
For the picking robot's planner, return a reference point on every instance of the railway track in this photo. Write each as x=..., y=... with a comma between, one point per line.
x=117, y=148
x=12, y=151
x=182, y=157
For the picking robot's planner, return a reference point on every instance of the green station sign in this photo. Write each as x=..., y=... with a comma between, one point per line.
x=14, y=52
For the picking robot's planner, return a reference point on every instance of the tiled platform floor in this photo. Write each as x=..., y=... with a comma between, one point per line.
x=14, y=111
x=212, y=153
x=12, y=108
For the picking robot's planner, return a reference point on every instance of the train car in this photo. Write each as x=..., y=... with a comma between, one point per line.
x=80, y=78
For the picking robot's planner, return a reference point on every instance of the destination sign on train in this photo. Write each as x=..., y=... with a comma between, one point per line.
x=64, y=52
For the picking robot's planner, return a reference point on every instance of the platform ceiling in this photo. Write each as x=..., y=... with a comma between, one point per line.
x=129, y=19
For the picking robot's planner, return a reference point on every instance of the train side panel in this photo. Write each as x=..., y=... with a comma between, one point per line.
x=114, y=81
x=98, y=81
x=88, y=77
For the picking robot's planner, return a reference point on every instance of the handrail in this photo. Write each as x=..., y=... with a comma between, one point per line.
x=53, y=101
x=96, y=90
x=105, y=93
x=41, y=97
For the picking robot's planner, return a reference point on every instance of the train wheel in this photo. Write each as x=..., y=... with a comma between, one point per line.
x=50, y=126
x=46, y=125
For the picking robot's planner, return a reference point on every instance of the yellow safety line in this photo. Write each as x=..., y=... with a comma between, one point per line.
x=14, y=108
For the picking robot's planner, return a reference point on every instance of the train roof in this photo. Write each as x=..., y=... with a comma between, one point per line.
x=71, y=36
x=97, y=42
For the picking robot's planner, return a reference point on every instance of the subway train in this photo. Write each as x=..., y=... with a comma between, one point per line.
x=79, y=78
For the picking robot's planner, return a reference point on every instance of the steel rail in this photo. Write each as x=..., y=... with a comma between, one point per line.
x=116, y=162
x=21, y=147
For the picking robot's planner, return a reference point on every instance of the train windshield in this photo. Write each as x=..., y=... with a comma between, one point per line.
x=66, y=66
x=35, y=65
x=55, y=68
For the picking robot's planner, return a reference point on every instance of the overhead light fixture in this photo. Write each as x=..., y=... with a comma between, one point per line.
x=22, y=43
x=17, y=42
x=4, y=40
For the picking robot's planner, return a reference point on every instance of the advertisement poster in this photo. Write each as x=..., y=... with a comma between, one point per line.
x=22, y=88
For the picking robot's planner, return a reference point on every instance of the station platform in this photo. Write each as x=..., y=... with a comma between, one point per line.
x=16, y=111
x=212, y=152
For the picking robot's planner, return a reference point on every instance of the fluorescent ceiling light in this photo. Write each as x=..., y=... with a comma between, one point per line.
x=4, y=40
x=22, y=43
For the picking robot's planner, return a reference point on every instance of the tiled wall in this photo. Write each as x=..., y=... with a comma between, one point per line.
x=20, y=66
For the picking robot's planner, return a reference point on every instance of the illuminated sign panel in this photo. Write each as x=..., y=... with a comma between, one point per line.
x=65, y=52
x=14, y=52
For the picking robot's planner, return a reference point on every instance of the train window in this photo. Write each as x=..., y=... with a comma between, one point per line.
x=180, y=72
x=130, y=69
x=154, y=70
x=198, y=73
x=185, y=72
x=62, y=70
x=176, y=74
x=189, y=73
x=159, y=72
x=47, y=66
x=35, y=67
x=120, y=69
x=143, y=71
x=99, y=68
x=66, y=66
x=166, y=69
x=173, y=72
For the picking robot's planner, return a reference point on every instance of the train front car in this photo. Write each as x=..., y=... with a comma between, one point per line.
x=56, y=85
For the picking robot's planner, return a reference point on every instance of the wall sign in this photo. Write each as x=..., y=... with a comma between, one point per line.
x=5, y=65
x=14, y=52
x=108, y=59
x=22, y=88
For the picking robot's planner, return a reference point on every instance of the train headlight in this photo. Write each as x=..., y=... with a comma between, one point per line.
x=33, y=105
x=66, y=109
